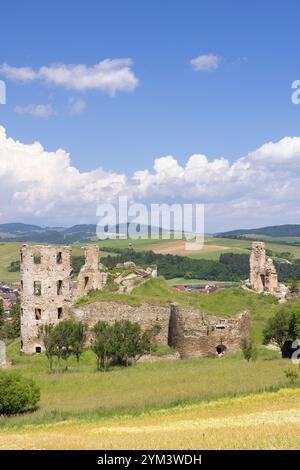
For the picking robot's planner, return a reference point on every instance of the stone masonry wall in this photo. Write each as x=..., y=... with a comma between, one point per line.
x=192, y=333
x=46, y=290
x=196, y=335
x=48, y=296
x=90, y=277
x=145, y=314
x=263, y=275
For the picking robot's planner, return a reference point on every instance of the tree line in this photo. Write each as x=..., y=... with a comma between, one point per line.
x=230, y=267
x=121, y=343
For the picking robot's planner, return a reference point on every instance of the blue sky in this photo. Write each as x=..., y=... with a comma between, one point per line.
x=174, y=110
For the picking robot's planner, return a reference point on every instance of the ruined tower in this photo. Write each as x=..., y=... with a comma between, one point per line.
x=263, y=275
x=46, y=290
x=90, y=277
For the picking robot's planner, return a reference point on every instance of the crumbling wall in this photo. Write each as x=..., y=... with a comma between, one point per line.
x=90, y=277
x=46, y=290
x=263, y=275
x=192, y=333
x=146, y=315
x=196, y=335
x=47, y=296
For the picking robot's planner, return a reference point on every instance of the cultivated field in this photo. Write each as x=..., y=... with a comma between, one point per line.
x=188, y=404
x=213, y=248
x=265, y=421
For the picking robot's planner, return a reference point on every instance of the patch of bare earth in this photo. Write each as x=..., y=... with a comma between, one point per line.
x=177, y=247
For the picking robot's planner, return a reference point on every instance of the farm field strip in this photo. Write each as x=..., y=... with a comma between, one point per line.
x=265, y=421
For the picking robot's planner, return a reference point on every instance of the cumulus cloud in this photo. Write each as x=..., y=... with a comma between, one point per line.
x=260, y=188
x=22, y=74
x=76, y=106
x=205, y=62
x=109, y=75
x=36, y=110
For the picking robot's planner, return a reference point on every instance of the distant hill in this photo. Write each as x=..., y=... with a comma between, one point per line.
x=18, y=227
x=18, y=232
x=287, y=230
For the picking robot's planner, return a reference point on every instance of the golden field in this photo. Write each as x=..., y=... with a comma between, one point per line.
x=269, y=420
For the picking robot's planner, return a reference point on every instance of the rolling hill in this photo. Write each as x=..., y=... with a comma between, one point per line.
x=287, y=230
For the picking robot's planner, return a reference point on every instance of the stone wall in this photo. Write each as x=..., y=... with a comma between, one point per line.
x=263, y=275
x=90, y=277
x=196, y=335
x=192, y=333
x=48, y=296
x=145, y=314
x=46, y=290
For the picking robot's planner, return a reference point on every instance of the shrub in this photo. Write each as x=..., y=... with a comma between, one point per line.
x=291, y=375
x=249, y=349
x=17, y=394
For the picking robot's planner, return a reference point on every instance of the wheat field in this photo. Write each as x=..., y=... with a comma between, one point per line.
x=269, y=420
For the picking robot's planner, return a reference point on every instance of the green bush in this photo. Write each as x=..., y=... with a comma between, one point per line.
x=17, y=394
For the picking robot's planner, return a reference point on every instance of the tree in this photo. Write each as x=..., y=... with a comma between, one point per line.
x=63, y=338
x=294, y=286
x=249, y=349
x=101, y=344
x=121, y=343
x=129, y=343
x=78, y=339
x=296, y=321
x=13, y=327
x=280, y=328
x=46, y=333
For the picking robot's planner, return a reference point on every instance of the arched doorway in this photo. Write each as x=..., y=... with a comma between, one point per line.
x=221, y=349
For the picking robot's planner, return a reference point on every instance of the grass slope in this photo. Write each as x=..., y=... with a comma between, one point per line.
x=88, y=395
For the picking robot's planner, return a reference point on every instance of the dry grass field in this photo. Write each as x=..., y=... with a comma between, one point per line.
x=177, y=247
x=265, y=421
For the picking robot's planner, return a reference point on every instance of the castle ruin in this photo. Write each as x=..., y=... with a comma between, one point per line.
x=263, y=274
x=48, y=295
x=47, y=289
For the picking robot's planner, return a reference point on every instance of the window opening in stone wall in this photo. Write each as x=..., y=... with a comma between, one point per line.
x=59, y=287
x=37, y=258
x=38, y=313
x=37, y=288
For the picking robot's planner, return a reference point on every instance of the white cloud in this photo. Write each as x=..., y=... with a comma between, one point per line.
x=22, y=74
x=76, y=106
x=205, y=62
x=109, y=75
x=258, y=189
x=36, y=110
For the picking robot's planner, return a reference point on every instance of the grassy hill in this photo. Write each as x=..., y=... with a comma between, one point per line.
x=288, y=230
